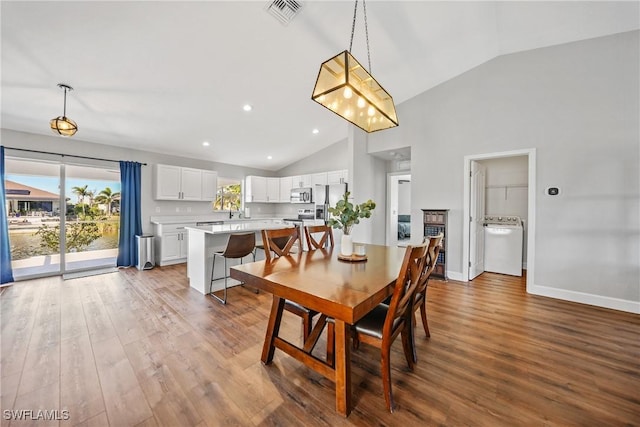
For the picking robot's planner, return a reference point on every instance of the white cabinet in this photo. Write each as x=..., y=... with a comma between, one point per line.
x=337, y=177
x=171, y=243
x=209, y=185
x=286, y=183
x=255, y=189
x=273, y=190
x=178, y=183
x=319, y=178
x=301, y=181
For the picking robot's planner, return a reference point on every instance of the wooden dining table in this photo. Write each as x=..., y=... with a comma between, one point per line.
x=342, y=290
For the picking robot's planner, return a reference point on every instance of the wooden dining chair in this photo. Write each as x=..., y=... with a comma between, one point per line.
x=384, y=323
x=433, y=249
x=318, y=236
x=277, y=243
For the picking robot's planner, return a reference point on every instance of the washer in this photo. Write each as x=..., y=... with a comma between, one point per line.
x=503, y=244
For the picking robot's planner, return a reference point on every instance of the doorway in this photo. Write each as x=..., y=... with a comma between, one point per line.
x=399, y=208
x=472, y=249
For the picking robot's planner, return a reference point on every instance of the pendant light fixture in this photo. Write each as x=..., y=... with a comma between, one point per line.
x=63, y=125
x=345, y=87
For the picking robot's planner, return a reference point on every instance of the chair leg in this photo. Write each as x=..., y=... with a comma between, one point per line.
x=223, y=300
x=213, y=269
x=408, y=344
x=386, y=376
x=331, y=343
x=306, y=327
x=423, y=312
x=256, y=290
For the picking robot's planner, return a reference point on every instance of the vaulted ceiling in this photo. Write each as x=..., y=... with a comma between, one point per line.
x=167, y=76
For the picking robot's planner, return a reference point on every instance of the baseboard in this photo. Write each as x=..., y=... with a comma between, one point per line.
x=584, y=298
x=456, y=275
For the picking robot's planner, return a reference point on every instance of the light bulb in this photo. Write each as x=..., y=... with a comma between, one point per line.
x=371, y=111
x=348, y=112
x=361, y=102
x=348, y=93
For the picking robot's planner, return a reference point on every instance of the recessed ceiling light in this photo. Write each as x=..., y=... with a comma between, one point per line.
x=269, y=157
x=206, y=144
x=315, y=131
x=247, y=107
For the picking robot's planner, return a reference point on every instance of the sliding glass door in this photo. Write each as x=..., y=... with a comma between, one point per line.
x=62, y=218
x=33, y=203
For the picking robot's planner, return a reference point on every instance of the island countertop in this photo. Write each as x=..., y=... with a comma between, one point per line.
x=229, y=228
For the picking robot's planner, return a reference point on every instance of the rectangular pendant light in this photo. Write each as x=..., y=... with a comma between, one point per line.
x=346, y=88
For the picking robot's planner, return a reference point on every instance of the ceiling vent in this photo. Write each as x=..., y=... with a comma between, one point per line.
x=284, y=10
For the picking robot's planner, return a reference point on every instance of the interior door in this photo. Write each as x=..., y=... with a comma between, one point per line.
x=476, y=229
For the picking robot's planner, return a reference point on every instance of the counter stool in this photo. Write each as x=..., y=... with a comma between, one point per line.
x=239, y=245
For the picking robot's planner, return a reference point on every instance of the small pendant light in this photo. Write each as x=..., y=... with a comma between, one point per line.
x=62, y=125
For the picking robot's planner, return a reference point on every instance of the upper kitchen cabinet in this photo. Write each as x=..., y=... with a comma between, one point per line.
x=209, y=185
x=286, y=184
x=273, y=190
x=319, y=178
x=301, y=181
x=177, y=183
x=255, y=189
x=337, y=177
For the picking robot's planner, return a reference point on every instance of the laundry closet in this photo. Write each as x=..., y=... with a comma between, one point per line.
x=505, y=216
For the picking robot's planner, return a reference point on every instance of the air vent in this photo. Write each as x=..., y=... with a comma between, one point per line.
x=284, y=10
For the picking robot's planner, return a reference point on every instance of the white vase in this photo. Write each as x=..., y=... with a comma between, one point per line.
x=346, y=245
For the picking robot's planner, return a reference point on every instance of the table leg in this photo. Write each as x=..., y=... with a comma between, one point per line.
x=343, y=368
x=273, y=328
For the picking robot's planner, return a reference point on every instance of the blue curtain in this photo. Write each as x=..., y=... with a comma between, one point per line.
x=6, y=274
x=130, y=213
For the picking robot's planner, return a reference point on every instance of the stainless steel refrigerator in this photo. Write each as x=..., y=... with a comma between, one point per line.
x=326, y=196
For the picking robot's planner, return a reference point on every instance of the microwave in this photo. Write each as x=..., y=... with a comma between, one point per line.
x=301, y=195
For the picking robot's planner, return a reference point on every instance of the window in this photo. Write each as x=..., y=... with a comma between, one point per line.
x=228, y=195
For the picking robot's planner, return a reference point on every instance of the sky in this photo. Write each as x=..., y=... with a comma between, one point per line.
x=51, y=184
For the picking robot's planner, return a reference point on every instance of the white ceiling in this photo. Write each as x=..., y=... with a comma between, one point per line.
x=166, y=76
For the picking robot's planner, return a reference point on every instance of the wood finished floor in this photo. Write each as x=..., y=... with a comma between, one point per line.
x=141, y=348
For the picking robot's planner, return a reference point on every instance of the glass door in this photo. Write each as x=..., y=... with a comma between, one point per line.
x=92, y=217
x=33, y=203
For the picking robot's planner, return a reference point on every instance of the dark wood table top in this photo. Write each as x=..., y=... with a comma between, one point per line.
x=320, y=281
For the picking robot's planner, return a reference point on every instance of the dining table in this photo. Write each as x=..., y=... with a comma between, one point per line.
x=341, y=290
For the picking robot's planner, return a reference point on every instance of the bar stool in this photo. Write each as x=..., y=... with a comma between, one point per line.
x=239, y=245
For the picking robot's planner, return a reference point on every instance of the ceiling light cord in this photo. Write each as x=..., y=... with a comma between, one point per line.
x=64, y=109
x=366, y=29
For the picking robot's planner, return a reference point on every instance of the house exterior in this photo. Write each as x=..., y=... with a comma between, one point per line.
x=24, y=200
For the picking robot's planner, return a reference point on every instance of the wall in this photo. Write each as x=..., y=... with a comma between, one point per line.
x=578, y=105
x=150, y=207
x=331, y=158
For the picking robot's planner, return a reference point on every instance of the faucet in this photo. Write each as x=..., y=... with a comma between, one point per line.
x=230, y=213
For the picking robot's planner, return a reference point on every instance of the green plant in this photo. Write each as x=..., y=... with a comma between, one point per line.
x=345, y=214
x=79, y=235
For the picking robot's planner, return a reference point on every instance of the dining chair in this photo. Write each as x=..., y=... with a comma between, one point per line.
x=280, y=242
x=420, y=301
x=384, y=323
x=239, y=245
x=318, y=236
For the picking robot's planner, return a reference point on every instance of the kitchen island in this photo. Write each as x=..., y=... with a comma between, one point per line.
x=205, y=240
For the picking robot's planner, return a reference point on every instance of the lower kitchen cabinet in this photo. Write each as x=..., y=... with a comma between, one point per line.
x=171, y=243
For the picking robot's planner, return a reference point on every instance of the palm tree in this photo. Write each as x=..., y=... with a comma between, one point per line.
x=107, y=197
x=82, y=193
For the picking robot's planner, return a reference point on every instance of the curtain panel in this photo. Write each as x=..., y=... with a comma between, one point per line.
x=130, y=213
x=6, y=274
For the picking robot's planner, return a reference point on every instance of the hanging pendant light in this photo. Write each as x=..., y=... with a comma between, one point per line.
x=345, y=87
x=62, y=125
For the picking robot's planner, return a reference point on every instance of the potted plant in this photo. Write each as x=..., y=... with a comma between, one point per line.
x=344, y=215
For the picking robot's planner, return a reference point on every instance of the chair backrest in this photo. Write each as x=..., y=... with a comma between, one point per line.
x=401, y=303
x=322, y=232
x=240, y=245
x=279, y=241
x=433, y=250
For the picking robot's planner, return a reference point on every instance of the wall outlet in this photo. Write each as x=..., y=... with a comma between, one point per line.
x=259, y=208
x=177, y=209
x=157, y=209
x=188, y=208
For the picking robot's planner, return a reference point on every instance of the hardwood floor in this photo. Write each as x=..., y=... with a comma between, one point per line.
x=142, y=348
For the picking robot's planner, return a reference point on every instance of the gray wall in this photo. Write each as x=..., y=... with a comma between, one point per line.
x=331, y=158
x=577, y=104
x=150, y=207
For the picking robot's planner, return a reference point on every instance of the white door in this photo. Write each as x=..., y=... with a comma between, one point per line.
x=476, y=230
x=394, y=203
